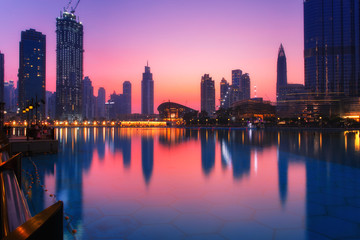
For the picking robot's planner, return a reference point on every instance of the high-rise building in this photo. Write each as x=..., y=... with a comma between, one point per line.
x=245, y=86
x=87, y=99
x=281, y=72
x=100, y=103
x=224, y=94
x=9, y=97
x=332, y=47
x=50, y=104
x=127, y=97
x=69, y=67
x=32, y=71
x=236, y=77
x=207, y=94
x=147, y=92
x=2, y=76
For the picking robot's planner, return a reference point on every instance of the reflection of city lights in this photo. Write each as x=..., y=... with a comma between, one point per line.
x=357, y=141
x=299, y=139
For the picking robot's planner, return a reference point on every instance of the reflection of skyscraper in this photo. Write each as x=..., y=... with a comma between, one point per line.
x=147, y=157
x=332, y=46
x=207, y=151
x=207, y=94
x=32, y=62
x=147, y=92
x=281, y=72
x=283, y=176
x=69, y=66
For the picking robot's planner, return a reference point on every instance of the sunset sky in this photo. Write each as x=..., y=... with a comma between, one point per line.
x=182, y=40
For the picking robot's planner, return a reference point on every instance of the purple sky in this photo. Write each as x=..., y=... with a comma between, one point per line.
x=182, y=40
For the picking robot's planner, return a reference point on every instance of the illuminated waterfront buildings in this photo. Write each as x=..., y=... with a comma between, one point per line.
x=32, y=71
x=69, y=67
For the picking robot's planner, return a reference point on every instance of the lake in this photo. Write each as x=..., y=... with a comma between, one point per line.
x=175, y=183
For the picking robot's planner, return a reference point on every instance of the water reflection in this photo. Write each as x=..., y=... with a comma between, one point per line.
x=147, y=157
x=289, y=175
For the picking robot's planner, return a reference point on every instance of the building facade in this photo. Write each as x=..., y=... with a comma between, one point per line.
x=2, y=76
x=100, y=103
x=88, y=106
x=245, y=88
x=32, y=72
x=50, y=104
x=207, y=94
x=332, y=47
x=127, y=97
x=281, y=73
x=10, y=97
x=69, y=67
x=224, y=94
x=147, y=92
x=236, y=77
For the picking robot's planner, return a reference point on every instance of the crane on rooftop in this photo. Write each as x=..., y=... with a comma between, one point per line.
x=73, y=9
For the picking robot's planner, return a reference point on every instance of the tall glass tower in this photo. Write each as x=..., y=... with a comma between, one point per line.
x=69, y=67
x=32, y=71
x=127, y=97
x=332, y=51
x=281, y=71
x=147, y=92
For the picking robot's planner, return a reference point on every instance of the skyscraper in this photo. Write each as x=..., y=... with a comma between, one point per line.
x=207, y=94
x=87, y=99
x=236, y=77
x=147, y=92
x=224, y=90
x=2, y=76
x=9, y=97
x=127, y=97
x=32, y=70
x=69, y=67
x=100, y=103
x=245, y=86
x=281, y=72
x=332, y=47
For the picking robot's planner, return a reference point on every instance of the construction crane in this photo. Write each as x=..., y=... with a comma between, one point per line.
x=73, y=9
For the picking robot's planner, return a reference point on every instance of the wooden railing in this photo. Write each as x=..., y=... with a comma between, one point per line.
x=16, y=220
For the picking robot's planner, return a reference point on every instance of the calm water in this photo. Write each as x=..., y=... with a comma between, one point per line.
x=203, y=184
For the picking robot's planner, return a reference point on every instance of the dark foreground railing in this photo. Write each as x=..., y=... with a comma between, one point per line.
x=16, y=220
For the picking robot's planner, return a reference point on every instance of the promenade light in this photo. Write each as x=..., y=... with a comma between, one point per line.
x=31, y=107
x=27, y=109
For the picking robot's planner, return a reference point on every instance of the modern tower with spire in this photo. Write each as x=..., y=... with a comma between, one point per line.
x=147, y=92
x=281, y=72
x=69, y=66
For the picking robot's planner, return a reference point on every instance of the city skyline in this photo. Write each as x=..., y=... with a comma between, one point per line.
x=171, y=43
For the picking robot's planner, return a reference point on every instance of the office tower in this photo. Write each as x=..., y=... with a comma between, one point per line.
x=100, y=103
x=332, y=46
x=224, y=92
x=207, y=94
x=236, y=77
x=2, y=76
x=9, y=97
x=50, y=104
x=281, y=72
x=31, y=85
x=147, y=92
x=69, y=67
x=245, y=86
x=87, y=99
x=127, y=97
